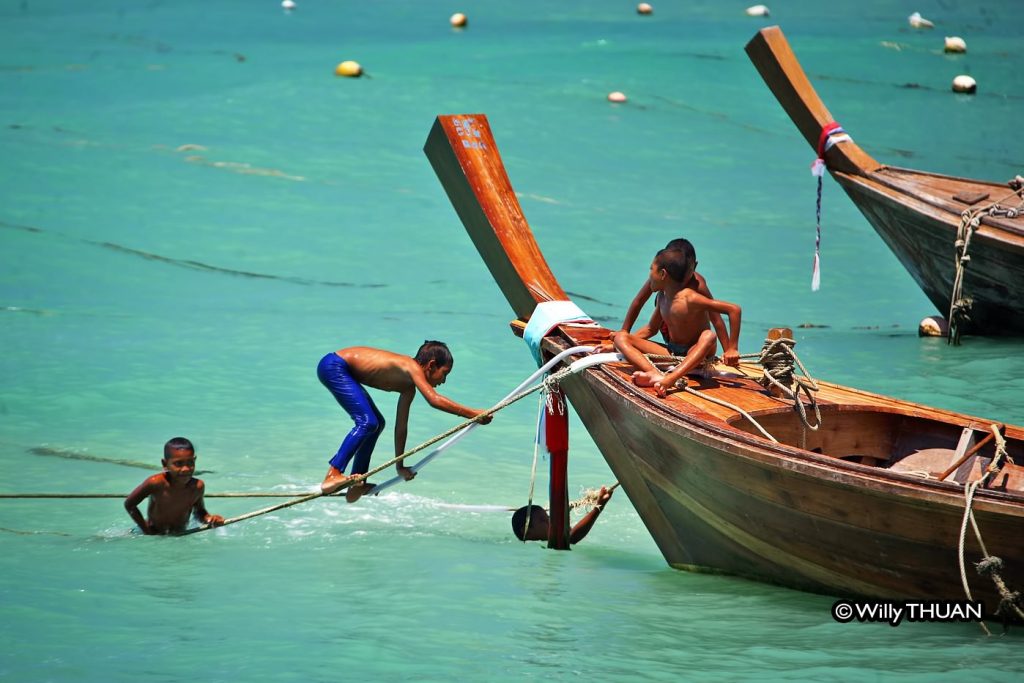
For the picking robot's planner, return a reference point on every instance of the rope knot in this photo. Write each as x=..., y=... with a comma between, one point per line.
x=989, y=565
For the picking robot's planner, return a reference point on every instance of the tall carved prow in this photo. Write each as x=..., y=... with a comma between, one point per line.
x=462, y=151
x=771, y=54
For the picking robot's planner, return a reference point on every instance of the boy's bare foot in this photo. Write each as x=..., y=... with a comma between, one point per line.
x=357, y=491
x=647, y=379
x=334, y=480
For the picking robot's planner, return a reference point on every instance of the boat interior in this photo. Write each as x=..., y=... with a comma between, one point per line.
x=909, y=444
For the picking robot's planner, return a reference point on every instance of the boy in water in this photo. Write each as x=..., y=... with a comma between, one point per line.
x=344, y=373
x=686, y=314
x=173, y=493
x=540, y=523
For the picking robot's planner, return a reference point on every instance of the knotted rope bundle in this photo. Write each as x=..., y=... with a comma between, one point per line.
x=959, y=304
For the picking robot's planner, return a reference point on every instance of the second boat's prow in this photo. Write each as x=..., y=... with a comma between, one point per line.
x=961, y=240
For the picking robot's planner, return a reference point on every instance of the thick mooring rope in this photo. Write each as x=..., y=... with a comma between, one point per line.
x=960, y=305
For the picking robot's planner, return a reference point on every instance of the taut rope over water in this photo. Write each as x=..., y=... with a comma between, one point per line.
x=363, y=477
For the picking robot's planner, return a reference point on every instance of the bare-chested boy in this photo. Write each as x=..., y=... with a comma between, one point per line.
x=344, y=373
x=685, y=312
x=173, y=494
x=696, y=282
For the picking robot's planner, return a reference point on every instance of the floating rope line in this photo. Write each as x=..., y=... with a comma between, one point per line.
x=970, y=219
x=989, y=565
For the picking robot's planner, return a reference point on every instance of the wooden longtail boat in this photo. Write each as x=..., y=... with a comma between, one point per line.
x=850, y=513
x=917, y=214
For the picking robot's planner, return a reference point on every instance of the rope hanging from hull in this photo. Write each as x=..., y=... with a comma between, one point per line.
x=959, y=303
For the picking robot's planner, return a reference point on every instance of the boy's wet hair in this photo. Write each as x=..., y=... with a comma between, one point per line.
x=683, y=245
x=178, y=443
x=676, y=263
x=434, y=351
x=519, y=519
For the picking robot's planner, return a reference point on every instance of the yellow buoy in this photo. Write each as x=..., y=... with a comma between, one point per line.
x=459, y=20
x=965, y=84
x=349, y=69
x=955, y=44
x=616, y=96
x=644, y=8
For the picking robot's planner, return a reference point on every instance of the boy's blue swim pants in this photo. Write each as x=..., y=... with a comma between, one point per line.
x=334, y=374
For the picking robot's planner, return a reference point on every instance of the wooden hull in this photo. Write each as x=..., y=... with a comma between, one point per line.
x=922, y=239
x=854, y=508
x=916, y=214
x=714, y=503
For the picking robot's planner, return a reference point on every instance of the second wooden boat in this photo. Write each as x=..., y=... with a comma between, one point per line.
x=924, y=218
x=871, y=504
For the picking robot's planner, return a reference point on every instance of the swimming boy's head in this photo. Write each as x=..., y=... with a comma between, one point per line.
x=436, y=360
x=675, y=263
x=538, y=526
x=684, y=245
x=179, y=457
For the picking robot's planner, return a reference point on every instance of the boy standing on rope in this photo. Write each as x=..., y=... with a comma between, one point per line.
x=686, y=314
x=173, y=494
x=344, y=373
x=537, y=527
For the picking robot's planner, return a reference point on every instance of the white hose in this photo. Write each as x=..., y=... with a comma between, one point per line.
x=574, y=367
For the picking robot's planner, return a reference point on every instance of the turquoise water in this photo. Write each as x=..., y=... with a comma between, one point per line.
x=193, y=210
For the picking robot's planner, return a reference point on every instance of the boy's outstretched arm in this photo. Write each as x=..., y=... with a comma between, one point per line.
x=199, y=509
x=134, y=499
x=441, y=403
x=584, y=526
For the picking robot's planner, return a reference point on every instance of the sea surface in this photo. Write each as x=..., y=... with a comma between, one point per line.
x=194, y=209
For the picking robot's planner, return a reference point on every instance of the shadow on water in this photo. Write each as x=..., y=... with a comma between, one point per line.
x=50, y=452
x=191, y=264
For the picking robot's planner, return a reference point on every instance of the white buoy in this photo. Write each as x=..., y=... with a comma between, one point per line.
x=349, y=69
x=933, y=326
x=458, y=20
x=758, y=11
x=965, y=84
x=644, y=8
x=616, y=97
x=955, y=44
x=288, y=4
x=917, y=21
